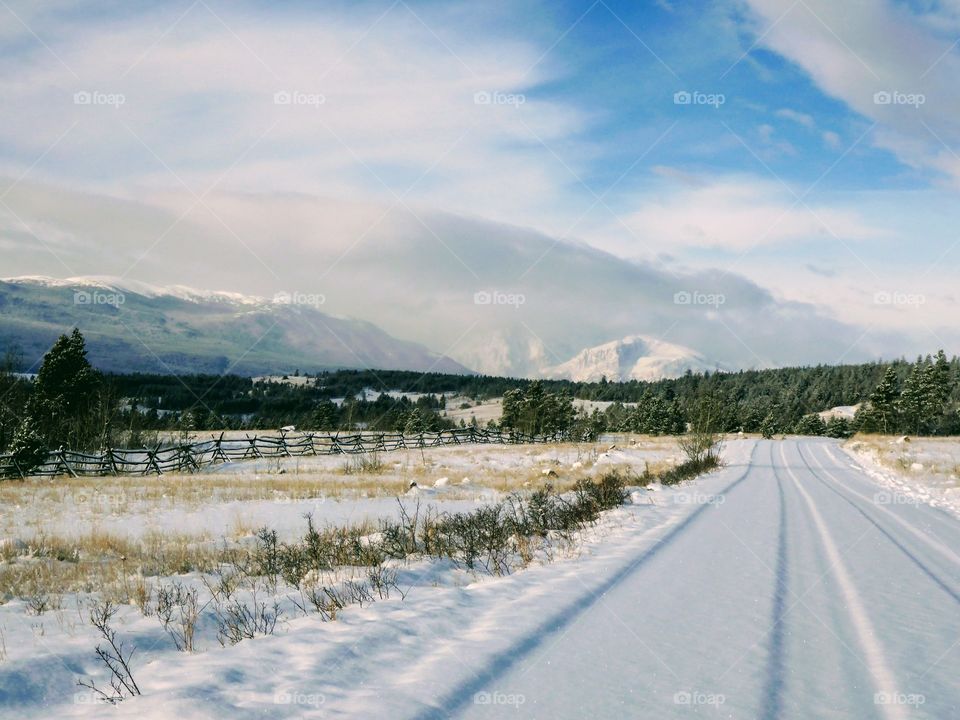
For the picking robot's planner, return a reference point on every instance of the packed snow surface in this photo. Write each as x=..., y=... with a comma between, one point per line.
x=781, y=586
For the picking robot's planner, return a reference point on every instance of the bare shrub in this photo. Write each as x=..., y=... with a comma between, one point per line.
x=40, y=601
x=702, y=441
x=239, y=621
x=178, y=609
x=113, y=656
x=142, y=595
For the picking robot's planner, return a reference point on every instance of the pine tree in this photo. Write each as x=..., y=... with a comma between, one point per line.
x=883, y=404
x=811, y=424
x=63, y=400
x=942, y=378
x=838, y=427
x=417, y=423
x=325, y=416
x=918, y=401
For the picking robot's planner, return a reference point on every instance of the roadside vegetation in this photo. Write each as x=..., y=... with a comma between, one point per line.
x=246, y=592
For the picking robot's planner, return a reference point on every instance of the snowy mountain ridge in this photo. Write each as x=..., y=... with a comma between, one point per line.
x=117, y=284
x=635, y=357
x=138, y=327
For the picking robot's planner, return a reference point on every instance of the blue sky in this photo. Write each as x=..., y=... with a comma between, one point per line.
x=796, y=178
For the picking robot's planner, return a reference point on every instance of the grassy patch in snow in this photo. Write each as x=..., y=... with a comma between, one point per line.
x=689, y=469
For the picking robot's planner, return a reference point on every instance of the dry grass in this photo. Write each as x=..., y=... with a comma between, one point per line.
x=299, y=479
x=49, y=566
x=940, y=456
x=43, y=565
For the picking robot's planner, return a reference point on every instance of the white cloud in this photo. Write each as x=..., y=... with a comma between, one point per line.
x=832, y=140
x=798, y=117
x=739, y=213
x=888, y=63
x=387, y=106
x=416, y=276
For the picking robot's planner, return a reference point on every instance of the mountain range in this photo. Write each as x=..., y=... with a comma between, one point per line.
x=637, y=357
x=137, y=327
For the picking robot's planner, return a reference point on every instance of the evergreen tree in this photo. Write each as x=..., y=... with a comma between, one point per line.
x=534, y=411
x=942, y=376
x=918, y=401
x=417, y=423
x=63, y=402
x=325, y=416
x=838, y=427
x=811, y=424
x=883, y=405
x=768, y=427
x=14, y=391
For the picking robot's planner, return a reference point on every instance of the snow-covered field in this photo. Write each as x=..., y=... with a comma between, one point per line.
x=493, y=409
x=912, y=469
x=65, y=543
x=235, y=498
x=775, y=587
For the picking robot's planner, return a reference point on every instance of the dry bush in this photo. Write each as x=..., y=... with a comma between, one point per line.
x=113, y=655
x=178, y=609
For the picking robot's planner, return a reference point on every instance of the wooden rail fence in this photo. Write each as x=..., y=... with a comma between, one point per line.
x=192, y=457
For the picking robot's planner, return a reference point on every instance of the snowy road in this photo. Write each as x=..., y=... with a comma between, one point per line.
x=786, y=585
x=803, y=594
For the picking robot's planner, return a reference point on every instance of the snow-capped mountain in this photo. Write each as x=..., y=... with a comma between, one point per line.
x=133, y=326
x=637, y=357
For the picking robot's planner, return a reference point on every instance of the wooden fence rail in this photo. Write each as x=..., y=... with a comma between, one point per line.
x=192, y=457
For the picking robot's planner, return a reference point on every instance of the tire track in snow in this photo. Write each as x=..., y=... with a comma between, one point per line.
x=919, y=534
x=775, y=683
x=463, y=695
x=910, y=556
x=849, y=458
x=876, y=661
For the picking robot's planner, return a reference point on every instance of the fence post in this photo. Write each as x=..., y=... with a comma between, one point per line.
x=253, y=447
x=218, y=453
x=62, y=460
x=152, y=460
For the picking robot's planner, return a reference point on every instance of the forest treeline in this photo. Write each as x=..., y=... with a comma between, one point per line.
x=69, y=403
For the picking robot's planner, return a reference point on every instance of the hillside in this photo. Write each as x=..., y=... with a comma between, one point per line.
x=133, y=327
